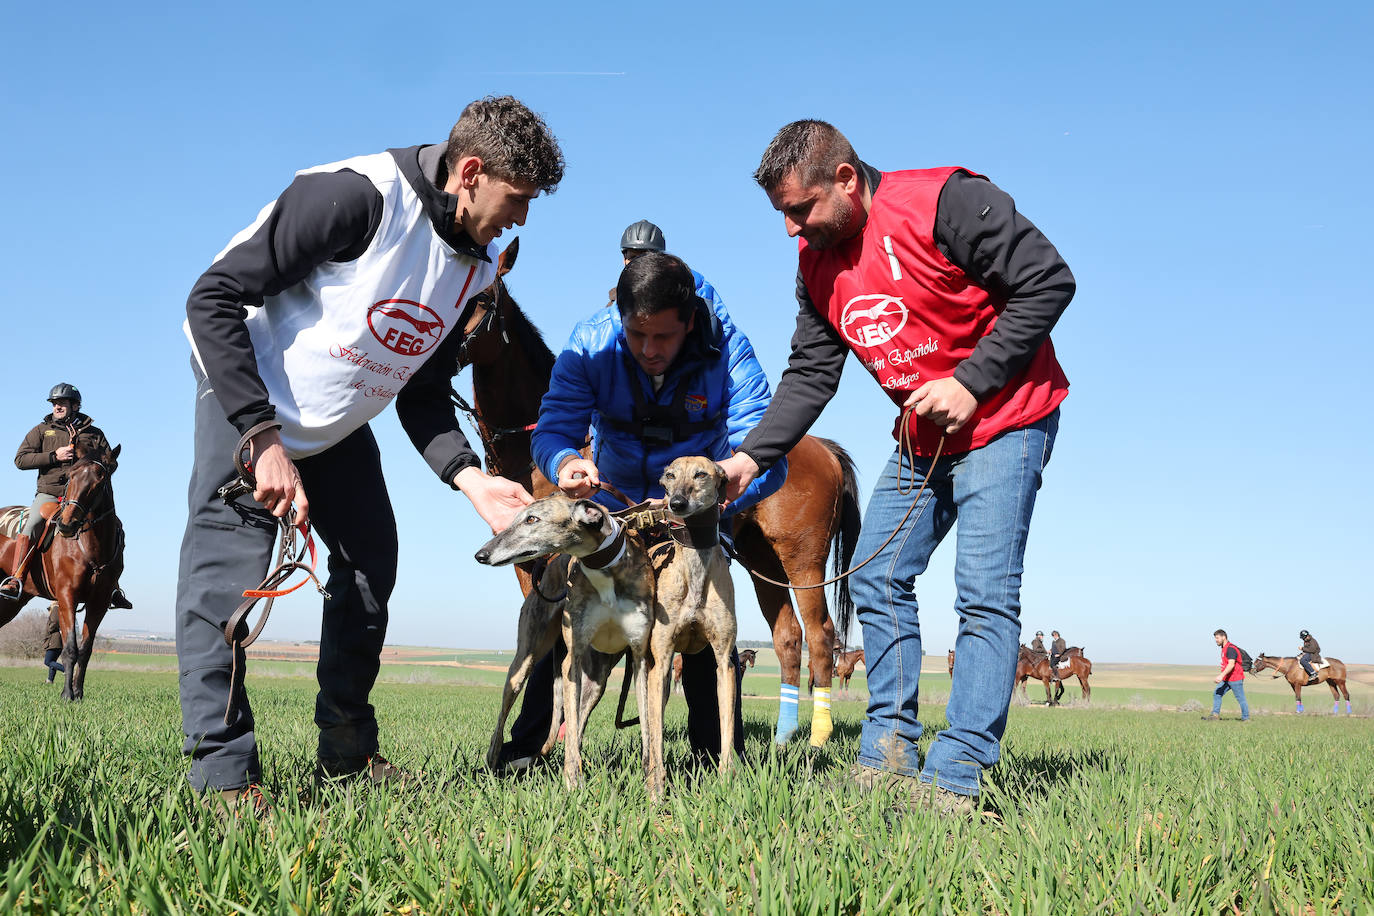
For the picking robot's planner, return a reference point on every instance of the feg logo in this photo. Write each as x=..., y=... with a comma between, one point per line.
x=868, y=321
x=404, y=327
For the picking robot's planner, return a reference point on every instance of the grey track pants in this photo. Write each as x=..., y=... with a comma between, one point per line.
x=227, y=548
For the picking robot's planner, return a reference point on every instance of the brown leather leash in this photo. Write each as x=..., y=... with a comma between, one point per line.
x=290, y=558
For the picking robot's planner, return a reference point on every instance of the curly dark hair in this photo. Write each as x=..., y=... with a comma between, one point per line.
x=513, y=142
x=813, y=148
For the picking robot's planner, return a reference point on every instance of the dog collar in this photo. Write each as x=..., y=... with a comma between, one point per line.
x=699, y=531
x=610, y=551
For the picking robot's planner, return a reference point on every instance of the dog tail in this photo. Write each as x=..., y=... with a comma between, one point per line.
x=845, y=538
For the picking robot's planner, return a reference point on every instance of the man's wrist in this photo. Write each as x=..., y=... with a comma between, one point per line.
x=469, y=477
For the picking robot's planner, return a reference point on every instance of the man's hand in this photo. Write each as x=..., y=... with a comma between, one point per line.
x=279, y=483
x=578, y=478
x=65, y=453
x=1218, y=679
x=944, y=401
x=496, y=499
x=740, y=471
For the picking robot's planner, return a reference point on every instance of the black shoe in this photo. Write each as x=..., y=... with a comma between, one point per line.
x=120, y=600
x=517, y=762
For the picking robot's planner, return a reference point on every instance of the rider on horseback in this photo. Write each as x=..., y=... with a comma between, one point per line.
x=1056, y=652
x=1038, y=643
x=50, y=449
x=1309, y=655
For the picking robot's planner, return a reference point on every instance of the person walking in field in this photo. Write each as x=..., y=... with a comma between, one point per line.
x=947, y=296
x=1232, y=678
x=1309, y=655
x=343, y=296
x=52, y=645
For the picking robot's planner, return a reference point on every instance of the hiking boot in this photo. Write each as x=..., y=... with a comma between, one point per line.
x=375, y=770
x=913, y=794
x=1212, y=718
x=120, y=600
x=930, y=797
x=249, y=800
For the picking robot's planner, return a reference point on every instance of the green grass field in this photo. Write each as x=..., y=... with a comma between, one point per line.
x=1111, y=810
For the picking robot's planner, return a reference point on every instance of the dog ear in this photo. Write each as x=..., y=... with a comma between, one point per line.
x=722, y=479
x=588, y=513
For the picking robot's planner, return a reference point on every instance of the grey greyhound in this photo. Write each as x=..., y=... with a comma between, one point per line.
x=608, y=610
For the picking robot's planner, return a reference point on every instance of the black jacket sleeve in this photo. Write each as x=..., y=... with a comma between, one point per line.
x=427, y=413
x=320, y=217
x=808, y=383
x=979, y=229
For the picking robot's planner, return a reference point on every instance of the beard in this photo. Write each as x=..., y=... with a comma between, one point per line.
x=836, y=229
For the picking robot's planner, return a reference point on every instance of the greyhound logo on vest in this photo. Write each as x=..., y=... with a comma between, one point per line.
x=871, y=320
x=405, y=327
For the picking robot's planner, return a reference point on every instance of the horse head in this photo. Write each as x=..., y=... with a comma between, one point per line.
x=87, y=482
x=483, y=324
x=1262, y=661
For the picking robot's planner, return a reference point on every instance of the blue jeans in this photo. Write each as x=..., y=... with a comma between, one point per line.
x=991, y=492
x=1236, y=687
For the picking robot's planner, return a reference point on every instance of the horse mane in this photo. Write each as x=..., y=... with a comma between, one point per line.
x=531, y=341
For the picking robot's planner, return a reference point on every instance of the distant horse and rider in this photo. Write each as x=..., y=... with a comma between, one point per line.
x=845, y=663
x=80, y=558
x=1032, y=664
x=1331, y=673
x=789, y=536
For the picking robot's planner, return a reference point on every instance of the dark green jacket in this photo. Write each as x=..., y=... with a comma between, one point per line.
x=38, y=451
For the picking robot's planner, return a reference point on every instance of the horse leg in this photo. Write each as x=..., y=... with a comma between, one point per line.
x=820, y=636
x=1087, y=691
x=1335, y=697
x=71, y=641
x=1049, y=697
x=775, y=603
x=90, y=625
x=1297, y=692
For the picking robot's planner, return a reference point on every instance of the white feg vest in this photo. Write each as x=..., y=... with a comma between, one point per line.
x=335, y=348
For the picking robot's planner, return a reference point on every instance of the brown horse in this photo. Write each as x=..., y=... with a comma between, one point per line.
x=747, y=658
x=949, y=657
x=82, y=565
x=1037, y=665
x=845, y=663
x=1287, y=667
x=1075, y=664
x=788, y=536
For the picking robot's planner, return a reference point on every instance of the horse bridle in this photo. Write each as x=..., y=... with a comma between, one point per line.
x=493, y=320
x=80, y=520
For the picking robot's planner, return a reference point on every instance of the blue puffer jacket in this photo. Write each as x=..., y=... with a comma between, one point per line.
x=591, y=382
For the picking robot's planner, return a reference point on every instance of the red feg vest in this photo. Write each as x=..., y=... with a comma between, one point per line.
x=911, y=316
x=1237, y=673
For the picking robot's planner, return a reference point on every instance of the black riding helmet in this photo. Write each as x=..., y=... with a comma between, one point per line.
x=643, y=236
x=69, y=392
x=1304, y=634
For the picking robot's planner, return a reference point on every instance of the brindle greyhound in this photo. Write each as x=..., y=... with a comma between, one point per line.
x=694, y=607
x=608, y=608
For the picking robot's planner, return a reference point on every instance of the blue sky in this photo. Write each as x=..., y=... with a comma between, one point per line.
x=1203, y=168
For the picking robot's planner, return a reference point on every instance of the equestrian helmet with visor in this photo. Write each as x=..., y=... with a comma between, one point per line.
x=64, y=391
x=1304, y=634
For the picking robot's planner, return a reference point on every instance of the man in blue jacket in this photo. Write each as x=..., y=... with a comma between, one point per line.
x=664, y=374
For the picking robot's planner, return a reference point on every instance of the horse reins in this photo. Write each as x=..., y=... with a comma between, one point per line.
x=289, y=559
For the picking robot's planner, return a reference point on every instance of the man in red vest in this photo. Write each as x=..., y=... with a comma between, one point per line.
x=947, y=295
